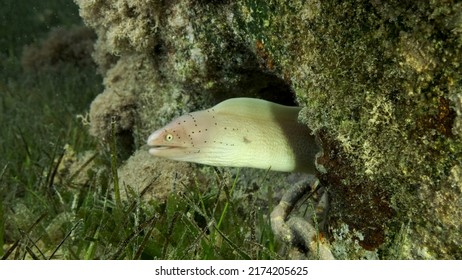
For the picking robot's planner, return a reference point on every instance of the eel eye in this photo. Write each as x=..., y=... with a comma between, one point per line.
x=168, y=137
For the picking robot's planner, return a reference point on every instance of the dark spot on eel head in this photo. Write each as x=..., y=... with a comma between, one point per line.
x=247, y=141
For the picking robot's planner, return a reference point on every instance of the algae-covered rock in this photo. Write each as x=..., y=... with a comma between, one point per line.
x=380, y=83
x=71, y=46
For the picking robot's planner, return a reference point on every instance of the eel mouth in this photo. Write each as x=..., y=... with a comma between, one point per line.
x=154, y=148
x=158, y=149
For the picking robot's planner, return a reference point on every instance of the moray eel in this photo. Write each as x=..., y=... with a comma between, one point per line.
x=239, y=132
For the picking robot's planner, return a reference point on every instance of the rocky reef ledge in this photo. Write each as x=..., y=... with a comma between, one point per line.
x=380, y=83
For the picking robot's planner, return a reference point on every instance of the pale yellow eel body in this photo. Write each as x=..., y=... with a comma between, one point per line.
x=239, y=132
